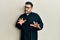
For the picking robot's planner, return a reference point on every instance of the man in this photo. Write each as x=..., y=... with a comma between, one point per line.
x=29, y=23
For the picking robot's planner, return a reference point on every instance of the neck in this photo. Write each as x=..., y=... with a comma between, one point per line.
x=28, y=13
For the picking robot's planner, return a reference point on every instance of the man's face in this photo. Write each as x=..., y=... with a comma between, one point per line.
x=28, y=8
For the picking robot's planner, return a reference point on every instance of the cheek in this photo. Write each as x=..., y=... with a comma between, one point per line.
x=29, y=9
x=26, y=9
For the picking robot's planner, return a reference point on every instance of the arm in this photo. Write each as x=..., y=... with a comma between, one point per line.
x=37, y=24
x=18, y=25
x=39, y=20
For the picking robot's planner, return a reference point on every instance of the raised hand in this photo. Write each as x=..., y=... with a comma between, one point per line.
x=21, y=21
x=35, y=24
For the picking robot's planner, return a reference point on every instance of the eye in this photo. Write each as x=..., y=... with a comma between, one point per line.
x=27, y=7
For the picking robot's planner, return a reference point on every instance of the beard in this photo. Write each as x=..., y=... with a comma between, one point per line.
x=27, y=12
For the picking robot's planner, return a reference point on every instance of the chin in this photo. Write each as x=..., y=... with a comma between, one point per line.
x=26, y=12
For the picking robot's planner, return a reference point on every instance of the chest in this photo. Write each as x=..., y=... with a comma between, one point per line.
x=30, y=18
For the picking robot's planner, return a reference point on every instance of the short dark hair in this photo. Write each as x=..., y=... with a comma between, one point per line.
x=30, y=3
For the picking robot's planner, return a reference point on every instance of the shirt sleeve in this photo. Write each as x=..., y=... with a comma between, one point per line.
x=18, y=25
x=39, y=20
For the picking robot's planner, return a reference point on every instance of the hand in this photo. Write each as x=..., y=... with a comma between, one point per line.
x=35, y=24
x=21, y=21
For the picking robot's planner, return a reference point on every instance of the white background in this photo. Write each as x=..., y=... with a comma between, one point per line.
x=49, y=10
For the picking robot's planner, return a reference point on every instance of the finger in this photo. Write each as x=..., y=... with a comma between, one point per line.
x=34, y=22
x=18, y=22
x=31, y=25
x=19, y=19
x=22, y=18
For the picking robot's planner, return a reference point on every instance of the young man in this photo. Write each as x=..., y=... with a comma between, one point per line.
x=29, y=23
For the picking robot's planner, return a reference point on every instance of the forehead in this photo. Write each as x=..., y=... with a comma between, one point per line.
x=27, y=5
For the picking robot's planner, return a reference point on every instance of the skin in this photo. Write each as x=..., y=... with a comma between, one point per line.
x=27, y=10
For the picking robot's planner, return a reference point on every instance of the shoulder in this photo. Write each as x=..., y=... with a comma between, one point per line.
x=34, y=13
x=21, y=15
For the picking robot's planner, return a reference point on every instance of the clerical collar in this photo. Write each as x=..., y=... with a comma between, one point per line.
x=28, y=14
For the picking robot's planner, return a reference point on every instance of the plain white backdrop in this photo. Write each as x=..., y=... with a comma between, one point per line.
x=49, y=10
